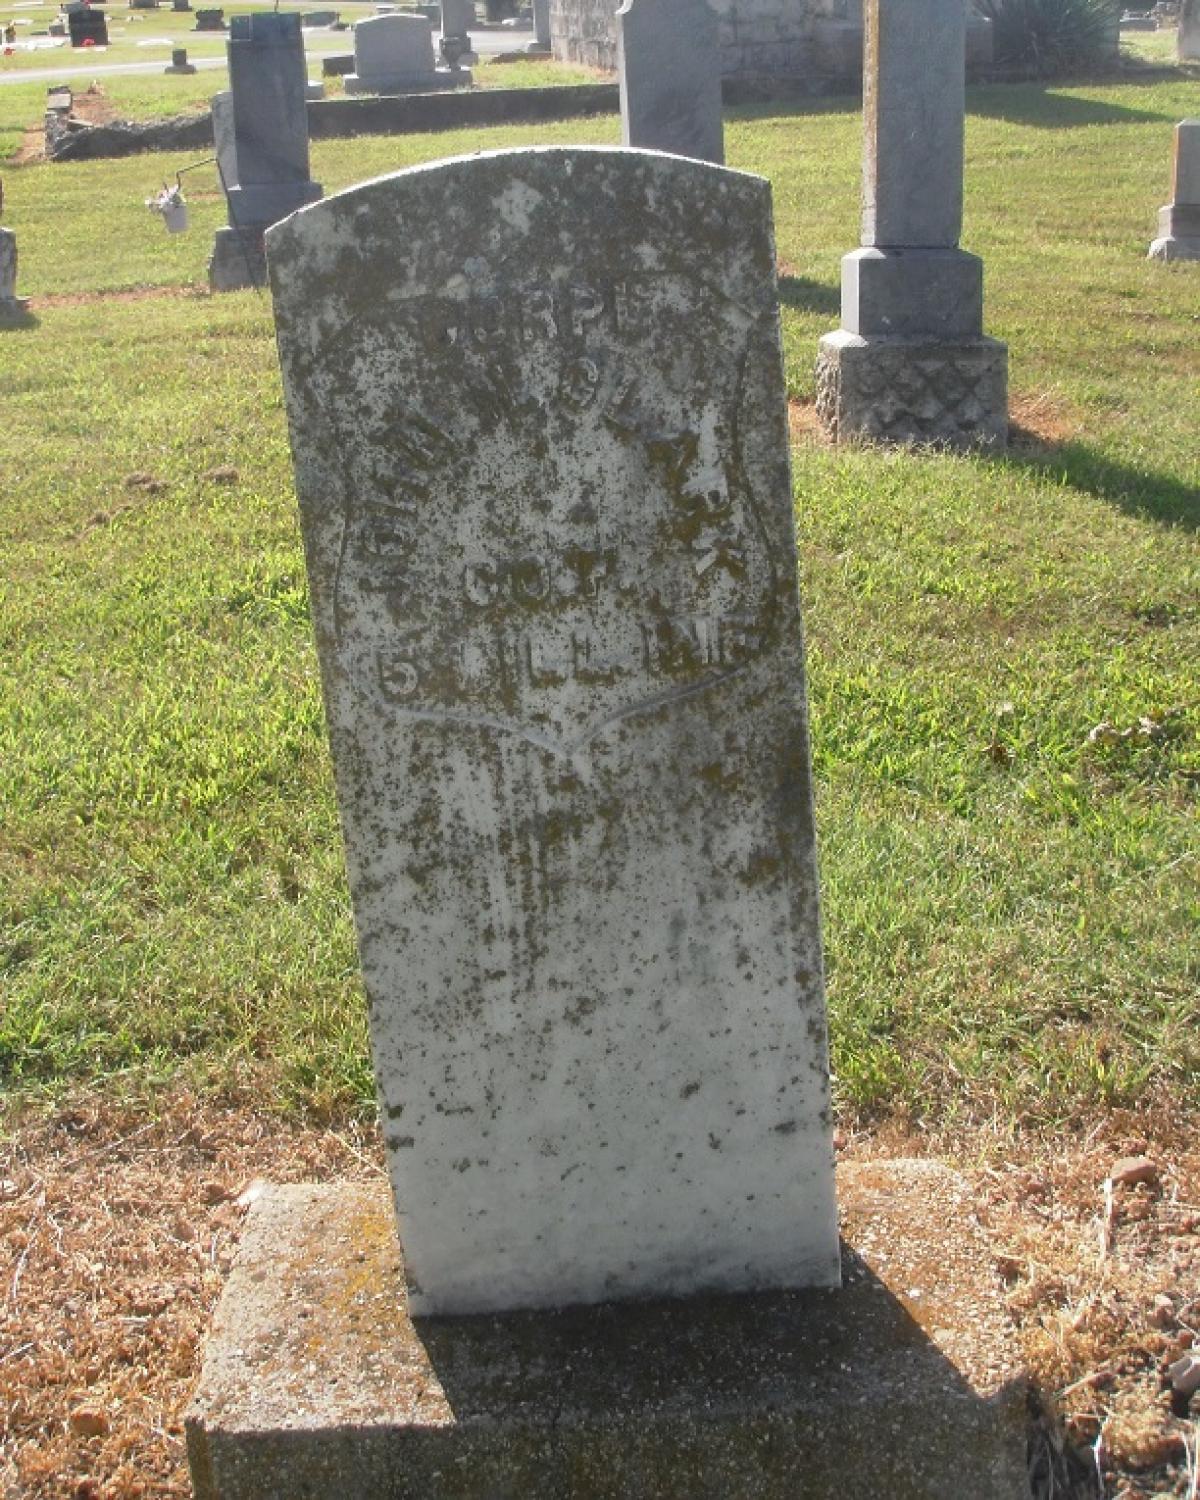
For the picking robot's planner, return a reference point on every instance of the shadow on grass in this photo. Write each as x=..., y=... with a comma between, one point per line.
x=1042, y=105
x=11, y=322
x=807, y=295
x=1138, y=492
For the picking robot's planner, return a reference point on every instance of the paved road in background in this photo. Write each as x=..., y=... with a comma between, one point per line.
x=486, y=43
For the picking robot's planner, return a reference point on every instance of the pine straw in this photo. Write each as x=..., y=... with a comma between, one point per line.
x=118, y=1227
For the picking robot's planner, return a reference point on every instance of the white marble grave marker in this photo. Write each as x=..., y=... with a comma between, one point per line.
x=538, y=420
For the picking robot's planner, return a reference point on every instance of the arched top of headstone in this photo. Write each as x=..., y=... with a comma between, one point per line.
x=545, y=202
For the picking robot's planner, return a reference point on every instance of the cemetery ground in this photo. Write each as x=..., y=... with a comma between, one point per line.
x=1006, y=733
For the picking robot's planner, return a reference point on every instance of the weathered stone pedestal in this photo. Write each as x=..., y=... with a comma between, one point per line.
x=317, y=1385
x=1179, y=220
x=238, y=259
x=910, y=363
x=913, y=390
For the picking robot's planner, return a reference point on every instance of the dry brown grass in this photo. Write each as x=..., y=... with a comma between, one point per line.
x=118, y=1228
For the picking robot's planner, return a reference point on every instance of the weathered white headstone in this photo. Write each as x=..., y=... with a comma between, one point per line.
x=669, y=70
x=1179, y=220
x=393, y=54
x=1188, y=36
x=542, y=461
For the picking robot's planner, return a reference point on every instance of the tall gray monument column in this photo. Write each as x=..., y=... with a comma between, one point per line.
x=1179, y=220
x=269, y=149
x=910, y=362
x=669, y=69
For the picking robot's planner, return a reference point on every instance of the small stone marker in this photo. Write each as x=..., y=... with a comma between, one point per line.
x=542, y=465
x=10, y=303
x=1179, y=221
x=911, y=363
x=393, y=54
x=11, y=306
x=669, y=69
x=210, y=20
x=179, y=62
x=1188, y=37
x=269, y=151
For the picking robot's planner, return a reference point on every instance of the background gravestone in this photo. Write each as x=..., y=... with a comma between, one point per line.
x=1179, y=221
x=393, y=54
x=11, y=306
x=87, y=23
x=541, y=25
x=910, y=363
x=458, y=16
x=1188, y=37
x=265, y=166
x=542, y=464
x=669, y=69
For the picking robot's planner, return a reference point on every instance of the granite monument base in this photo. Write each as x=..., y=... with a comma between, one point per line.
x=317, y=1384
x=1178, y=233
x=238, y=259
x=947, y=392
x=426, y=83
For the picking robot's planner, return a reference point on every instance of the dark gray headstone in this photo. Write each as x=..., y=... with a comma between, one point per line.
x=669, y=69
x=269, y=152
x=87, y=24
x=542, y=460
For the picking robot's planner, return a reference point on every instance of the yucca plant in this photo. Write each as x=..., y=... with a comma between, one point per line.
x=1050, y=38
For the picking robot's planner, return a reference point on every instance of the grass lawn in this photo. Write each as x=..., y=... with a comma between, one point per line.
x=1011, y=901
x=1006, y=730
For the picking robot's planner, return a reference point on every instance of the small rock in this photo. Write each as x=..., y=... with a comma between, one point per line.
x=89, y=1421
x=213, y=1191
x=182, y=1229
x=1185, y=1375
x=1162, y=1314
x=1130, y=1170
x=254, y=1189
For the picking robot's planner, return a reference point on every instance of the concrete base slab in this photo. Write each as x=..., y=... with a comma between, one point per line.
x=238, y=259
x=317, y=1385
x=1175, y=247
x=428, y=84
x=949, y=392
